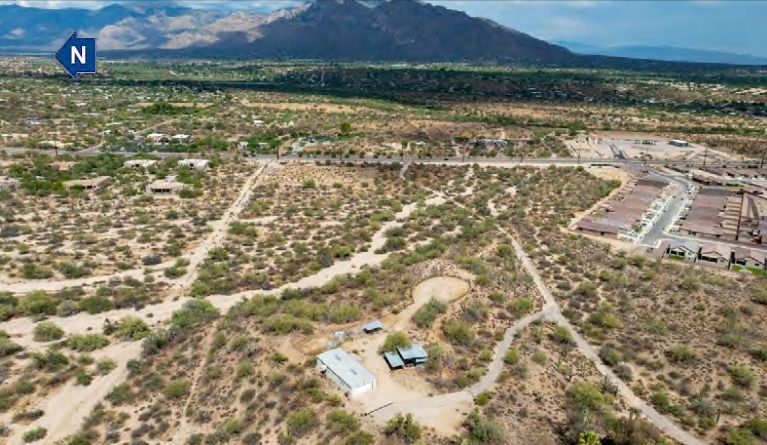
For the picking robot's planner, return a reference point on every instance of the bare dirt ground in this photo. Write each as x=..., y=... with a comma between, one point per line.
x=407, y=385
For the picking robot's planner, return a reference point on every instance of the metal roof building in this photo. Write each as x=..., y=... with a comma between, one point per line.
x=394, y=360
x=414, y=355
x=345, y=371
x=373, y=326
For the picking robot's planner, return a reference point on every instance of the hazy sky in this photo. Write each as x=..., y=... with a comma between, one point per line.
x=727, y=25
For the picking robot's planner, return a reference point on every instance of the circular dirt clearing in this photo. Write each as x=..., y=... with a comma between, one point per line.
x=442, y=288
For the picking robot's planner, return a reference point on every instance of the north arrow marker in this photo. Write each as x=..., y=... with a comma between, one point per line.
x=78, y=55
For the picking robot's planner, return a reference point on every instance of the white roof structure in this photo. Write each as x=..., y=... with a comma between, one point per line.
x=348, y=370
x=135, y=163
x=181, y=137
x=194, y=163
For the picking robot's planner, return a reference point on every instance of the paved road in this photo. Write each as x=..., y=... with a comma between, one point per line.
x=661, y=226
x=448, y=160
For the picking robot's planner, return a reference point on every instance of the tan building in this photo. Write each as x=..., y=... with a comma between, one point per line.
x=165, y=187
x=715, y=255
x=89, y=184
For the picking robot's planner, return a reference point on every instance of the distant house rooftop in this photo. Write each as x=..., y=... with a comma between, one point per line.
x=89, y=184
x=199, y=164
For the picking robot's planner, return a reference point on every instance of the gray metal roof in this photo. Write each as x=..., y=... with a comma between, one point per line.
x=349, y=370
x=394, y=360
x=373, y=325
x=414, y=352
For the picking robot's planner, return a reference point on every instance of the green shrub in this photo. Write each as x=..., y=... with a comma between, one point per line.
x=403, y=427
x=520, y=306
x=192, y=313
x=302, y=422
x=175, y=389
x=121, y=394
x=7, y=347
x=741, y=376
x=758, y=427
x=341, y=422
x=458, y=332
x=562, y=335
x=482, y=398
x=682, y=354
x=46, y=331
x=38, y=303
x=585, y=396
x=34, y=435
x=426, y=314
x=131, y=328
x=359, y=438
x=35, y=272
x=511, y=357
x=484, y=430
x=96, y=304
x=394, y=340
x=87, y=342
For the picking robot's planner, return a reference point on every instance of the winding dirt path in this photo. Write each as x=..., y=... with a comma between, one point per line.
x=426, y=408
x=85, y=398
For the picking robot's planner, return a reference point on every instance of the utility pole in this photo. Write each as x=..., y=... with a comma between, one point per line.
x=705, y=155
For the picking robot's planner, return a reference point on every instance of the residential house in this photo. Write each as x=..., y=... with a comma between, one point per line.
x=717, y=255
x=89, y=184
x=684, y=250
x=197, y=164
x=181, y=138
x=139, y=163
x=165, y=187
x=158, y=138
x=749, y=259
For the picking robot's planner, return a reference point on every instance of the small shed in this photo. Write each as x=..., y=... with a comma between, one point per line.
x=414, y=355
x=373, y=326
x=394, y=360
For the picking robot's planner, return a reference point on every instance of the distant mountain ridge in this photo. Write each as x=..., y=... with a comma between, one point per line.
x=333, y=30
x=403, y=30
x=667, y=53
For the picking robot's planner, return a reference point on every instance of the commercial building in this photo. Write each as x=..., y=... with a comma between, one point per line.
x=345, y=371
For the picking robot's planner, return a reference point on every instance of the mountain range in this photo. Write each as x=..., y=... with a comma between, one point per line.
x=667, y=53
x=336, y=30
x=402, y=30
